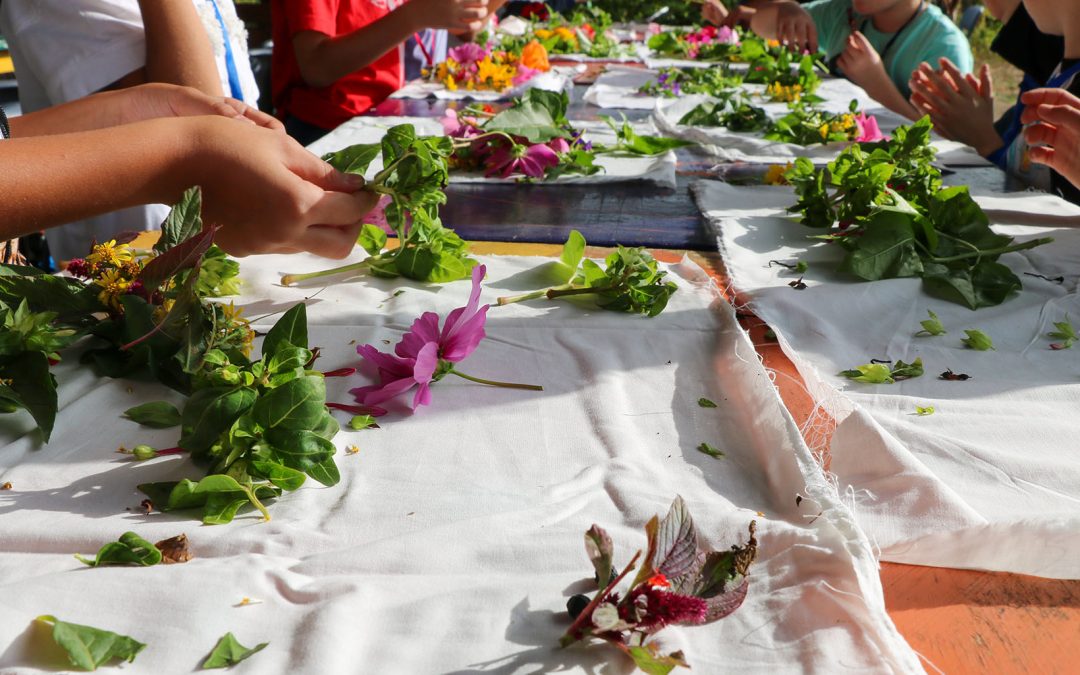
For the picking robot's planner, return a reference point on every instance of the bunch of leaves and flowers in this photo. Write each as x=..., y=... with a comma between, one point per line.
x=661, y=11
x=148, y=311
x=785, y=80
x=474, y=67
x=427, y=354
x=706, y=43
x=806, y=125
x=681, y=582
x=631, y=280
x=414, y=174
x=259, y=427
x=586, y=31
x=674, y=82
x=731, y=109
x=884, y=204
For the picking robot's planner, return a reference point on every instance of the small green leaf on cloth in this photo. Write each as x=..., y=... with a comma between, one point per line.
x=228, y=652
x=156, y=415
x=931, y=326
x=709, y=450
x=977, y=340
x=705, y=403
x=923, y=411
x=131, y=549
x=88, y=647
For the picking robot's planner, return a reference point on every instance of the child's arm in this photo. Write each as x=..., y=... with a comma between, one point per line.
x=134, y=104
x=861, y=64
x=325, y=59
x=1056, y=137
x=960, y=106
x=269, y=193
x=178, y=49
x=787, y=22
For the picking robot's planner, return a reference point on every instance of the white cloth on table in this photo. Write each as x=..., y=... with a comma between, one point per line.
x=617, y=168
x=455, y=536
x=64, y=50
x=989, y=480
x=559, y=78
x=751, y=146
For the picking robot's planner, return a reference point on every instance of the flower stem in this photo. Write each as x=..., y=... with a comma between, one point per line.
x=250, y=491
x=993, y=251
x=289, y=279
x=493, y=383
x=534, y=295
x=171, y=451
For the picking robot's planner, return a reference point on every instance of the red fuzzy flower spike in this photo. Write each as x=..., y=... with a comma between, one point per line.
x=664, y=609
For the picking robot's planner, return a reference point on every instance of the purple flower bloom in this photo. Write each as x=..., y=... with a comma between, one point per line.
x=532, y=161
x=425, y=353
x=467, y=53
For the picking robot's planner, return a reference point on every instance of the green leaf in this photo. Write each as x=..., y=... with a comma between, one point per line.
x=416, y=263
x=572, y=253
x=705, y=403
x=299, y=404
x=599, y=548
x=284, y=477
x=88, y=647
x=886, y=250
x=354, y=159
x=650, y=662
x=35, y=388
x=157, y=415
x=228, y=652
x=300, y=449
x=131, y=549
x=536, y=117
x=210, y=412
x=290, y=329
x=186, y=255
x=1064, y=332
x=986, y=284
x=183, y=222
x=325, y=472
x=905, y=371
x=977, y=340
x=372, y=239
x=360, y=422
x=870, y=373
x=931, y=326
x=709, y=450
x=922, y=411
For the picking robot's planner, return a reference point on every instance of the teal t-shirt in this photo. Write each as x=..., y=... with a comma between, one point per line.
x=929, y=37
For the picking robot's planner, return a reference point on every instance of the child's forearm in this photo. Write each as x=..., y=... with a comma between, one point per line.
x=887, y=94
x=324, y=60
x=51, y=180
x=178, y=49
x=96, y=111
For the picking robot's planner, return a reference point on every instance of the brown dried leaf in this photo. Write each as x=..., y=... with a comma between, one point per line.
x=174, y=550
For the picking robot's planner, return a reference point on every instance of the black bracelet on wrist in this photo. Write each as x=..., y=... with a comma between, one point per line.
x=4, y=129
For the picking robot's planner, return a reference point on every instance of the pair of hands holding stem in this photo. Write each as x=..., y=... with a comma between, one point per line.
x=148, y=144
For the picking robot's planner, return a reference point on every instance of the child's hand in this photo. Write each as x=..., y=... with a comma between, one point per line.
x=457, y=15
x=1057, y=114
x=960, y=106
x=795, y=28
x=149, y=101
x=714, y=12
x=269, y=194
x=862, y=64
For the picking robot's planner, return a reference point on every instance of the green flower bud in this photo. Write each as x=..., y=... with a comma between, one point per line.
x=141, y=452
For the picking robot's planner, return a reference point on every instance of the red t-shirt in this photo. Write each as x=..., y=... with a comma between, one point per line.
x=352, y=95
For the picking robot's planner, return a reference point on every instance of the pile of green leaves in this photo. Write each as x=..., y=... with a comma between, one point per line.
x=676, y=14
x=42, y=314
x=630, y=142
x=259, y=427
x=674, y=82
x=885, y=372
x=781, y=70
x=731, y=109
x=414, y=175
x=806, y=125
x=884, y=205
x=631, y=281
x=676, y=569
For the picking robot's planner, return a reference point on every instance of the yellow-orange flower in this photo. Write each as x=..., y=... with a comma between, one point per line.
x=110, y=253
x=774, y=175
x=113, y=285
x=566, y=34
x=535, y=56
x=543, y=33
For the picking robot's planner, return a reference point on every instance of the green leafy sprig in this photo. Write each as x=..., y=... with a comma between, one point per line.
x=885, y=373
x=630, y=281
x=884, y=205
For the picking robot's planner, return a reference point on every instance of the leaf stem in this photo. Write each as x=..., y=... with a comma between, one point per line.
x=993, y=251
x=289, y=279
x=493, y=383
x=534, y=295
x=250, y=492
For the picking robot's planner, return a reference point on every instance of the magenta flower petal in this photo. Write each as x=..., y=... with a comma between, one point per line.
x=426, y=363
x=386, y=362
x=868, y=128
x=383, y=392
x=424, y=330
x=422, y=396
x=458, y=347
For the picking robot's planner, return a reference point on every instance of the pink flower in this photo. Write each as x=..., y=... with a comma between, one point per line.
x=426, y=353
x=559, y=145
x=467, y=53
x=532, y=161
x=524, y=74
x=450, y=123
x=727, y=36
x=868, y=128
x=377, y=215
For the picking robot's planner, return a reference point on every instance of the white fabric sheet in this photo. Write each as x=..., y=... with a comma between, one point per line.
x=455, y=537
x=990, y=480
x=659, y=169
x=559, y=78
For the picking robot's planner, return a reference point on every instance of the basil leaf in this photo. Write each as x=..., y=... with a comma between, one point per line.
x=183, y=222
x=372, y=239
x=88, y=647
x=353, y=159
x=290, y=329
x=297, y=404
x=300, y=449
x=210, y=412
x=35, y=387
x=131, y=549
x=157, y=415
x=228, y=652
x=325, y=472
x=280, y=475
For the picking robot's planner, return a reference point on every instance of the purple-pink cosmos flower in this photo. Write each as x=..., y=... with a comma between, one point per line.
x=468, y=53
x=868, y=128
x=532, y=161
x=425, y=352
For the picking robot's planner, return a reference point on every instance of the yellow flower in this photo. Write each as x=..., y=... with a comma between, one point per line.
x=450, y=83
x=774, y=175
x=110, y=253
x=824, y=129
x=543, y=33
x=566, y=34
x=113, y=285
x=779, y=92
x=772, y=43
x=491, y=75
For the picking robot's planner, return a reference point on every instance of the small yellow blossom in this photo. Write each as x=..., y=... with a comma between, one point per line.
x=543, y=33
x=110, y=253
x=566, y=34
x=774, y=175
x=352, y=450
x=113, y=285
